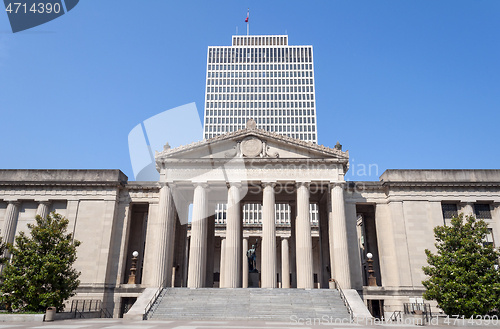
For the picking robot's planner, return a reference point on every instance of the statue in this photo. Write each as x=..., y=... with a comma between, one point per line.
x=252, y=263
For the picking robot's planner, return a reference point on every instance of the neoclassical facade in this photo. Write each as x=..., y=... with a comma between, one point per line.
x=183, y=242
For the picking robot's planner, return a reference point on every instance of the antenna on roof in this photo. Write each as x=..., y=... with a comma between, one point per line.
x=246, y=20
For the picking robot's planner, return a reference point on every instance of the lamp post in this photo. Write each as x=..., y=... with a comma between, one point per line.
x=372, y=280
x=133, y=269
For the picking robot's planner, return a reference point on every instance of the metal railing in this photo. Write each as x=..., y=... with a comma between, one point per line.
x=86, y=305
x=153, y=299
x=344, y=299
x=81, y=306
x=423, y=309
x=396, y=316
x=105, y=313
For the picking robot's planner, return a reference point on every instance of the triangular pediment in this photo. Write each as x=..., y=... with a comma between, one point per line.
x=253, y=143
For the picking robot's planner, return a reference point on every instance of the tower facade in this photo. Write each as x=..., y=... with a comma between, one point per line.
x=263, y=78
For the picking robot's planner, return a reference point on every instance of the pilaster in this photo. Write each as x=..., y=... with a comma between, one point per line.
x=43, y=208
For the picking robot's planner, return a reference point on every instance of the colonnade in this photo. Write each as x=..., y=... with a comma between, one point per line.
x=234, y=266
x=12, y=214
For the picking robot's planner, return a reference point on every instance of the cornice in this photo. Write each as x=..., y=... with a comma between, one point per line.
x=69, y=183
x=441, y=184
x=378, y=185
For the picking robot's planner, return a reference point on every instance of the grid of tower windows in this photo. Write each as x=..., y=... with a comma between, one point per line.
x=272, y=85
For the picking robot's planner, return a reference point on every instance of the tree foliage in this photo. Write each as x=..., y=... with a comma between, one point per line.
x=3, y=248
x=40, y=273
x=463, y=279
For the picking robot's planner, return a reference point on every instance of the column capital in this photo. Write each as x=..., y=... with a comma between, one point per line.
x=234, y=184
x=266, y=184
x=285, y=238
x=200, y=184
x=300, y=184
x=13, y=202
x=337, y=184
x=45, y=202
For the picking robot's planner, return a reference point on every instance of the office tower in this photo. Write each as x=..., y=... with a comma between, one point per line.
x=263, y=78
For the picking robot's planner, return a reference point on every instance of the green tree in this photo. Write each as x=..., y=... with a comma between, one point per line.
x=3, y=248
x=40, y=273
x=462, y=275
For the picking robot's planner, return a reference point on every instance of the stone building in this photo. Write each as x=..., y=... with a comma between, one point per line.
x=392, y=218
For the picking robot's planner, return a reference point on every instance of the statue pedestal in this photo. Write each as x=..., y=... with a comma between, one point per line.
x=253, y=280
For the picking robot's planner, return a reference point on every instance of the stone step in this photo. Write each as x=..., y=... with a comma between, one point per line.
x=246, y=304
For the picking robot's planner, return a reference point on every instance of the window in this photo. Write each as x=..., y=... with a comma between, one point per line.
x=449, y=210
x=482, y=211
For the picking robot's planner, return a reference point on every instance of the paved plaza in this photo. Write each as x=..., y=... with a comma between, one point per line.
x=123, y=324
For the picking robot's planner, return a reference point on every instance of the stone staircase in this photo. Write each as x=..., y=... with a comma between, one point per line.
x=247, y=304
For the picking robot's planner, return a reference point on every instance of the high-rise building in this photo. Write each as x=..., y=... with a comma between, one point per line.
x=264, y=78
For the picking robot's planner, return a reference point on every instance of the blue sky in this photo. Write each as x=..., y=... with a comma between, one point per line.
x=401, y=84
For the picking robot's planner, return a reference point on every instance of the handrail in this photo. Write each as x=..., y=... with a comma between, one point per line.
x=395, y=316
x=344, y=299
x=153, y=299
x=106, y=313
x=413, y=308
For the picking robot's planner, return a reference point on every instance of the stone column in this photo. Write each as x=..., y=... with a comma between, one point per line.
x=338, y=236
x=43, y=209
x=179, y=251
x=495, y=215
x=186, y=262
x=244, y=260
x=197, y=250
x=324, y=242
x=10, y=224
x=285, y=265
x=293, y=246
x=222, y=262
x=162, y=229
x=232, y=276
x=305, y=278
x=209, y=280
x=268, y=258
